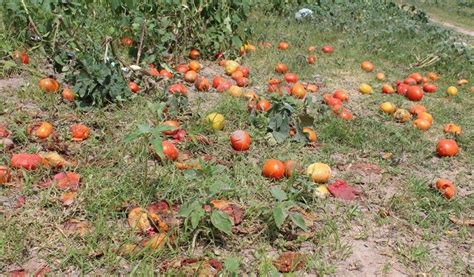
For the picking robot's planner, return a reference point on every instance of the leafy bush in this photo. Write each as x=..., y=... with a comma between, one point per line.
x=76, y=35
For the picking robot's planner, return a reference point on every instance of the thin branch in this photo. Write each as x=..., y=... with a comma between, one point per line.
x=32, y=23
x=141, y=41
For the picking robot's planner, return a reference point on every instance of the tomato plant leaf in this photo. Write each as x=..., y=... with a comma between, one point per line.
x=279, y=215
x=196, y=215
x=279, y=194
x=298, y=220
x=221, y=221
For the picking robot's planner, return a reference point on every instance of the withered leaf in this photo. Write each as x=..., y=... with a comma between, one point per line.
x=459, y=221
x=289, y=262
x=155, y=242
x=235, y=211
x=77, y=227
x=138, y=220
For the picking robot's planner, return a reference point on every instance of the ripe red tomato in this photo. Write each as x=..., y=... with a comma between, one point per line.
x=26, y=161
x=447, y=148
x=430, y=88
x=25, y=59
x=341, y=95
x=126, y=41
x=346, y=114
x=416, y=76
x=133, y=87
x=263, y=105
x=217, y=81
x=402, y=88
x=410, y=81
x=182, y=68
x=245, y=70
x=414, y=93
x=283, y=45
x=328, y=49
x=311, y=59
x=242, y=82
x=165, y=73
x=291, y=77
x=240, y=140
x=202, y=84
x=281, y=68
x=177, y=88
x=273, y=169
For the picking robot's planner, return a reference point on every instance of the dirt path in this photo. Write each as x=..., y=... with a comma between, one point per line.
x=456, y=28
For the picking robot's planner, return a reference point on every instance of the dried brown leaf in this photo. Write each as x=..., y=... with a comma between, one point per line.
x=290, y=262
x=459, y=221
x=77, y=227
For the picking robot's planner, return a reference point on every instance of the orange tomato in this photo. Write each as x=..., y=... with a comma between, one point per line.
x=169, y=150
x=273, y=169
x=263, y=105
x=194, y=54
x=447, y=148
x=446, y=187
x=68, y=94
x=79, y=132
x=298, y=91
x=283, y=45
x=281, y=68
x=133, y=87
x=44, y=130
x=310, y=134
x=367, y=66
x=48, y=85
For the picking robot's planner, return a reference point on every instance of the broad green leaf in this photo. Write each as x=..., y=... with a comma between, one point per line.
x=279, y=194
x=279, y=215
x=221, y=221
x=298, y=220
x=196, y=215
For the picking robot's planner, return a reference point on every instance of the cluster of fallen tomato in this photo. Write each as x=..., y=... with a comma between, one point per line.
x=67, y=181
x=240, y=139
x=413, y=88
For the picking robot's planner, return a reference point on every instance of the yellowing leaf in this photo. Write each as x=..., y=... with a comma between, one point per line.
x=156, y=241
x=53, y=159
x=138, y=220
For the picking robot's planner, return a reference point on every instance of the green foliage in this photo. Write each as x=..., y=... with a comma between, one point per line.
x=98, y=84
x=282, y=117
x=282, y=210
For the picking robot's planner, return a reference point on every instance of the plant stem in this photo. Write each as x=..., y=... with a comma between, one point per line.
x=141, y=42
x=147, y=142
x=32, y=23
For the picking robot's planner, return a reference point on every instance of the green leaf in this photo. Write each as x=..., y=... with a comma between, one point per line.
x=279, y=194
x=221, y=221
x=196, y=215
x=279, y=215
x=186, y=209
x=298, y=220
